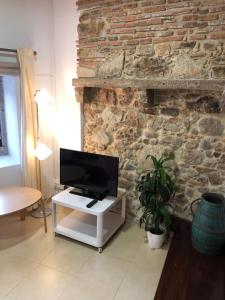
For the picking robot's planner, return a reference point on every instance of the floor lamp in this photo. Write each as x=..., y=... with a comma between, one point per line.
x=41, y=151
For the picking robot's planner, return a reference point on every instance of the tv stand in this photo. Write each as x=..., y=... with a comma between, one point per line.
x=88, y=194
x=94, y=225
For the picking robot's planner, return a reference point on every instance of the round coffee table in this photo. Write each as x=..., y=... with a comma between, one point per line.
x=15, y=199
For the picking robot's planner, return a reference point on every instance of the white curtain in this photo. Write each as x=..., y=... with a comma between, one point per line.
x=30, y=166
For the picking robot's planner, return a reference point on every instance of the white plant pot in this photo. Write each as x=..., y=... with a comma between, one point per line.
x=156, y=241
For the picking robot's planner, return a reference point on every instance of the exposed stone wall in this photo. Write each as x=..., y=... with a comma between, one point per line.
x=156, y=39
x=151, y=39
x=126, y=123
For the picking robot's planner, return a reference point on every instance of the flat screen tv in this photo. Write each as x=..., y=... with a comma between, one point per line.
x=92, y=175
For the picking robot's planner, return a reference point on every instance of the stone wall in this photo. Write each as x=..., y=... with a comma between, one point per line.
x=156, y=39
x=125, y=123
x=151, y=39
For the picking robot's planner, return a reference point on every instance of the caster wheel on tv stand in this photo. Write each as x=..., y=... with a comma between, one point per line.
x=99, y=250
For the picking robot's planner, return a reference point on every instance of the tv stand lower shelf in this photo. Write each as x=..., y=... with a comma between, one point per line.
x=93, y=226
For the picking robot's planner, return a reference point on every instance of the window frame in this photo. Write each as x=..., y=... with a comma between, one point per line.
x=3, y=135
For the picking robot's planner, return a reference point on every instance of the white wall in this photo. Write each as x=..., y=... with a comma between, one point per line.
x=66, y=19
x=49, y=27
x=29, y=23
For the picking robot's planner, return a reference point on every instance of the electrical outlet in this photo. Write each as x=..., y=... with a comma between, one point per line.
x=58, y=186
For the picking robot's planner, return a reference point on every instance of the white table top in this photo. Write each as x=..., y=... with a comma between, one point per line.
x=13, y=199
x=79, y=202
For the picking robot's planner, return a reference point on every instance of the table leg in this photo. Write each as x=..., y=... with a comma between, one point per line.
x=23, y=214
x=54, y=215
x=99, y=230
x=43, y=209
x=123, y=212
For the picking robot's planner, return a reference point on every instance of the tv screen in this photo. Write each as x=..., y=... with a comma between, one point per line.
x=90, y=172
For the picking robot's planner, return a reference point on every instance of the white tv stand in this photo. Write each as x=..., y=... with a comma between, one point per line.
x=93, y=226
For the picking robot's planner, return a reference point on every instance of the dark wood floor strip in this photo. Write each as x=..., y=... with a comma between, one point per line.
x=189, y=275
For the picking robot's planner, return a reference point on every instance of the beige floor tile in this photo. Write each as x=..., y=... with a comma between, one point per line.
x=68, y=256
x=106, y=269
x=25, y=239
x=14, y=230
x=99, y=279
x=7, y=298
x=80, y=289
x=125, y=243
x=132, y=229
x=139, y=284
x=31, y=248
x=41, y=284
x=35, y=265
x=12, y=271
x=152, y=260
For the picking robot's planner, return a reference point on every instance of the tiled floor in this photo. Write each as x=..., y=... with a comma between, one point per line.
x=35, y=265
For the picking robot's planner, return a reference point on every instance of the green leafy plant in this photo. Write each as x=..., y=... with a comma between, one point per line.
x=156, y=188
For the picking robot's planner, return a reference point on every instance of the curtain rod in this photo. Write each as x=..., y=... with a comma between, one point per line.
x=13, y=50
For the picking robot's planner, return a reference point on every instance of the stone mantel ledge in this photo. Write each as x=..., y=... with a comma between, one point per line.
x=155, y=84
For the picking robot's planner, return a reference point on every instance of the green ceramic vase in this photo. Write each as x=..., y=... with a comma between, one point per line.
x=208, y=225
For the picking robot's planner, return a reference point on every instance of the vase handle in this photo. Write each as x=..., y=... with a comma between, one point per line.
x=196, y=200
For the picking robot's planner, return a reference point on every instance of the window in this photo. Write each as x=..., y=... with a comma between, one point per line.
x=10, y=108
x=3, y=139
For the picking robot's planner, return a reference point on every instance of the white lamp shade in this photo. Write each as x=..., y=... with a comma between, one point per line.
x=43, y=97
x=42, y=151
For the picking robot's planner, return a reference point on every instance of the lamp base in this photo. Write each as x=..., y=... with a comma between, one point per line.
x=39, y=213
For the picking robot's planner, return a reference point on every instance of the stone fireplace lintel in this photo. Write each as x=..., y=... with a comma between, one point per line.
x=158, y=84
x=150, y=85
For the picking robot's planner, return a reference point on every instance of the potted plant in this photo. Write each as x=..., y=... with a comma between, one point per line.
x=156, y=188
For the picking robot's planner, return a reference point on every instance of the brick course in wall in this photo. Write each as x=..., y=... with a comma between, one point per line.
x=111, y=27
